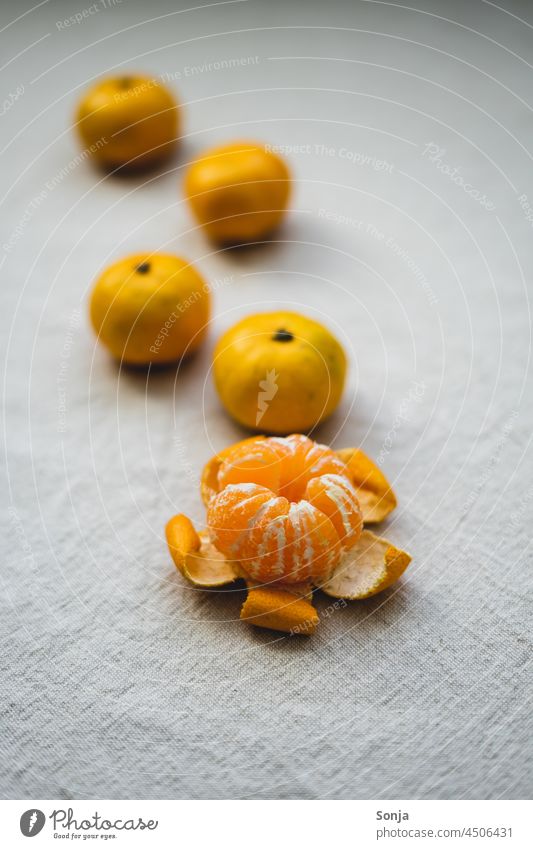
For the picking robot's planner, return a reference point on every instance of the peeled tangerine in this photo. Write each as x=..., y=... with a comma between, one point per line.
x=293, y=523
x=286, y=514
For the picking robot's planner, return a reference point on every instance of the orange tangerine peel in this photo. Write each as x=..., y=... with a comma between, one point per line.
x=370, y=567
x=280, y=610
x=374, y=491
x=286, y=514
x=196, y=557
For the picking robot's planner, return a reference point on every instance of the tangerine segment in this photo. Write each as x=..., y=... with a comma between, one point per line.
x=259, y=461
x=209, y=485
x=373, y=489
x=298, y=546
x=372, y=566
x=305, y=459
x=195, y=556
x=232, y=513
x=334, y=496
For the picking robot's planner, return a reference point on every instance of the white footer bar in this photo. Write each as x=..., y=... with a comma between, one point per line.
x=281, y=824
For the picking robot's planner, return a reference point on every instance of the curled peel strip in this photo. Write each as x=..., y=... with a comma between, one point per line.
x=280, y=610
x=196, y=557
x=374, y=491
x=370, y=567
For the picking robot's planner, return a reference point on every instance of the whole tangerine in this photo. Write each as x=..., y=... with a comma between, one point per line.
x=238, y=192
x=279, y=372
x=150, y=308
x=129, y=122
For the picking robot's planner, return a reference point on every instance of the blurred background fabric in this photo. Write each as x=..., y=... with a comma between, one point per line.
x=408, y=131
